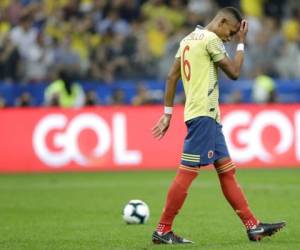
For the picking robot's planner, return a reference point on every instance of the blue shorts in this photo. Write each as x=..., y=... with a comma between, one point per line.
x=204, y=143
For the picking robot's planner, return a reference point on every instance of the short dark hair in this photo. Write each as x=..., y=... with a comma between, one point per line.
x=234, y=12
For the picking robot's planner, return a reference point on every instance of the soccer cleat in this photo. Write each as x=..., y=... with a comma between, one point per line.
x=263, y=229
x=168, y=238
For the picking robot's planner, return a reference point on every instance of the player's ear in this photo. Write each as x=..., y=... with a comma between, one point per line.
x=223, y=21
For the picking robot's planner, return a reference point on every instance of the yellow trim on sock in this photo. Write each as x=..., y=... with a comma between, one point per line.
x=224, y=166
x=192, y=169
x=226, y=169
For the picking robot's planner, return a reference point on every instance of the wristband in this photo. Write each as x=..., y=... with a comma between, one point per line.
x=240, y=47
x=168, y=110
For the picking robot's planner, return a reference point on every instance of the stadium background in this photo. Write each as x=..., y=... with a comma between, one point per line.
x=116, y=54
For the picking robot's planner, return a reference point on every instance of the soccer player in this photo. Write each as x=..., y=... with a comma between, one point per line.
x=199, y=56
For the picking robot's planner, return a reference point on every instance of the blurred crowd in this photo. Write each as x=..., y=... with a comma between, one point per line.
x=108, y=40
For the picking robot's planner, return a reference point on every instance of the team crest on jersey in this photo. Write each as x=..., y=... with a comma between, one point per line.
x=210, y=154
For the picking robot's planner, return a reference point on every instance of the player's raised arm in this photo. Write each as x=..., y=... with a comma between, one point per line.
x=232, y=68
x=163, y=123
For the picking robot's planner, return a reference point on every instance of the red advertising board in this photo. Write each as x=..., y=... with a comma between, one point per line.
x=119, y=138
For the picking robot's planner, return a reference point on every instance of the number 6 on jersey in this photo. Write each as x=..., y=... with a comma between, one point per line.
x=186, y=64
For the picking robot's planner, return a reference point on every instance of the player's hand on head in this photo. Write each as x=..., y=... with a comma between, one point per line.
x=161, y=127
x=243, y=30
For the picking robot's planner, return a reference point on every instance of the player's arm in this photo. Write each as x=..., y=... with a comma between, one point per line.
x=171, y=84
x=232, y=68
x=163, y=123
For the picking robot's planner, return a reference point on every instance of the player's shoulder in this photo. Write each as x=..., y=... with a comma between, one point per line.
x=196, y=34
x=208, y=34
x=212, y=36
x=201, y=37
x=200, y=33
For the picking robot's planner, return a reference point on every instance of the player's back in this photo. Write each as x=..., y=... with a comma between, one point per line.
x=198, y=52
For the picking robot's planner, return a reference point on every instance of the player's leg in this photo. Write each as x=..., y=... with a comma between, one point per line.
x=195, y=142
x=234, y=194
x=175, y=198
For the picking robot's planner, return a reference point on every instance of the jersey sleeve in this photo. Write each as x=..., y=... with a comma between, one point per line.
x=178, y=54
x=216, y=49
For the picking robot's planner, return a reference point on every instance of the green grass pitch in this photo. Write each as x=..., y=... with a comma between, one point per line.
x=83, y=210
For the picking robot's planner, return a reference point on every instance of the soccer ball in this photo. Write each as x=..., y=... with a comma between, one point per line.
x=136, y=212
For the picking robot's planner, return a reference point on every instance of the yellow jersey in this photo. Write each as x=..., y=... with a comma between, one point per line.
x=199, y=51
